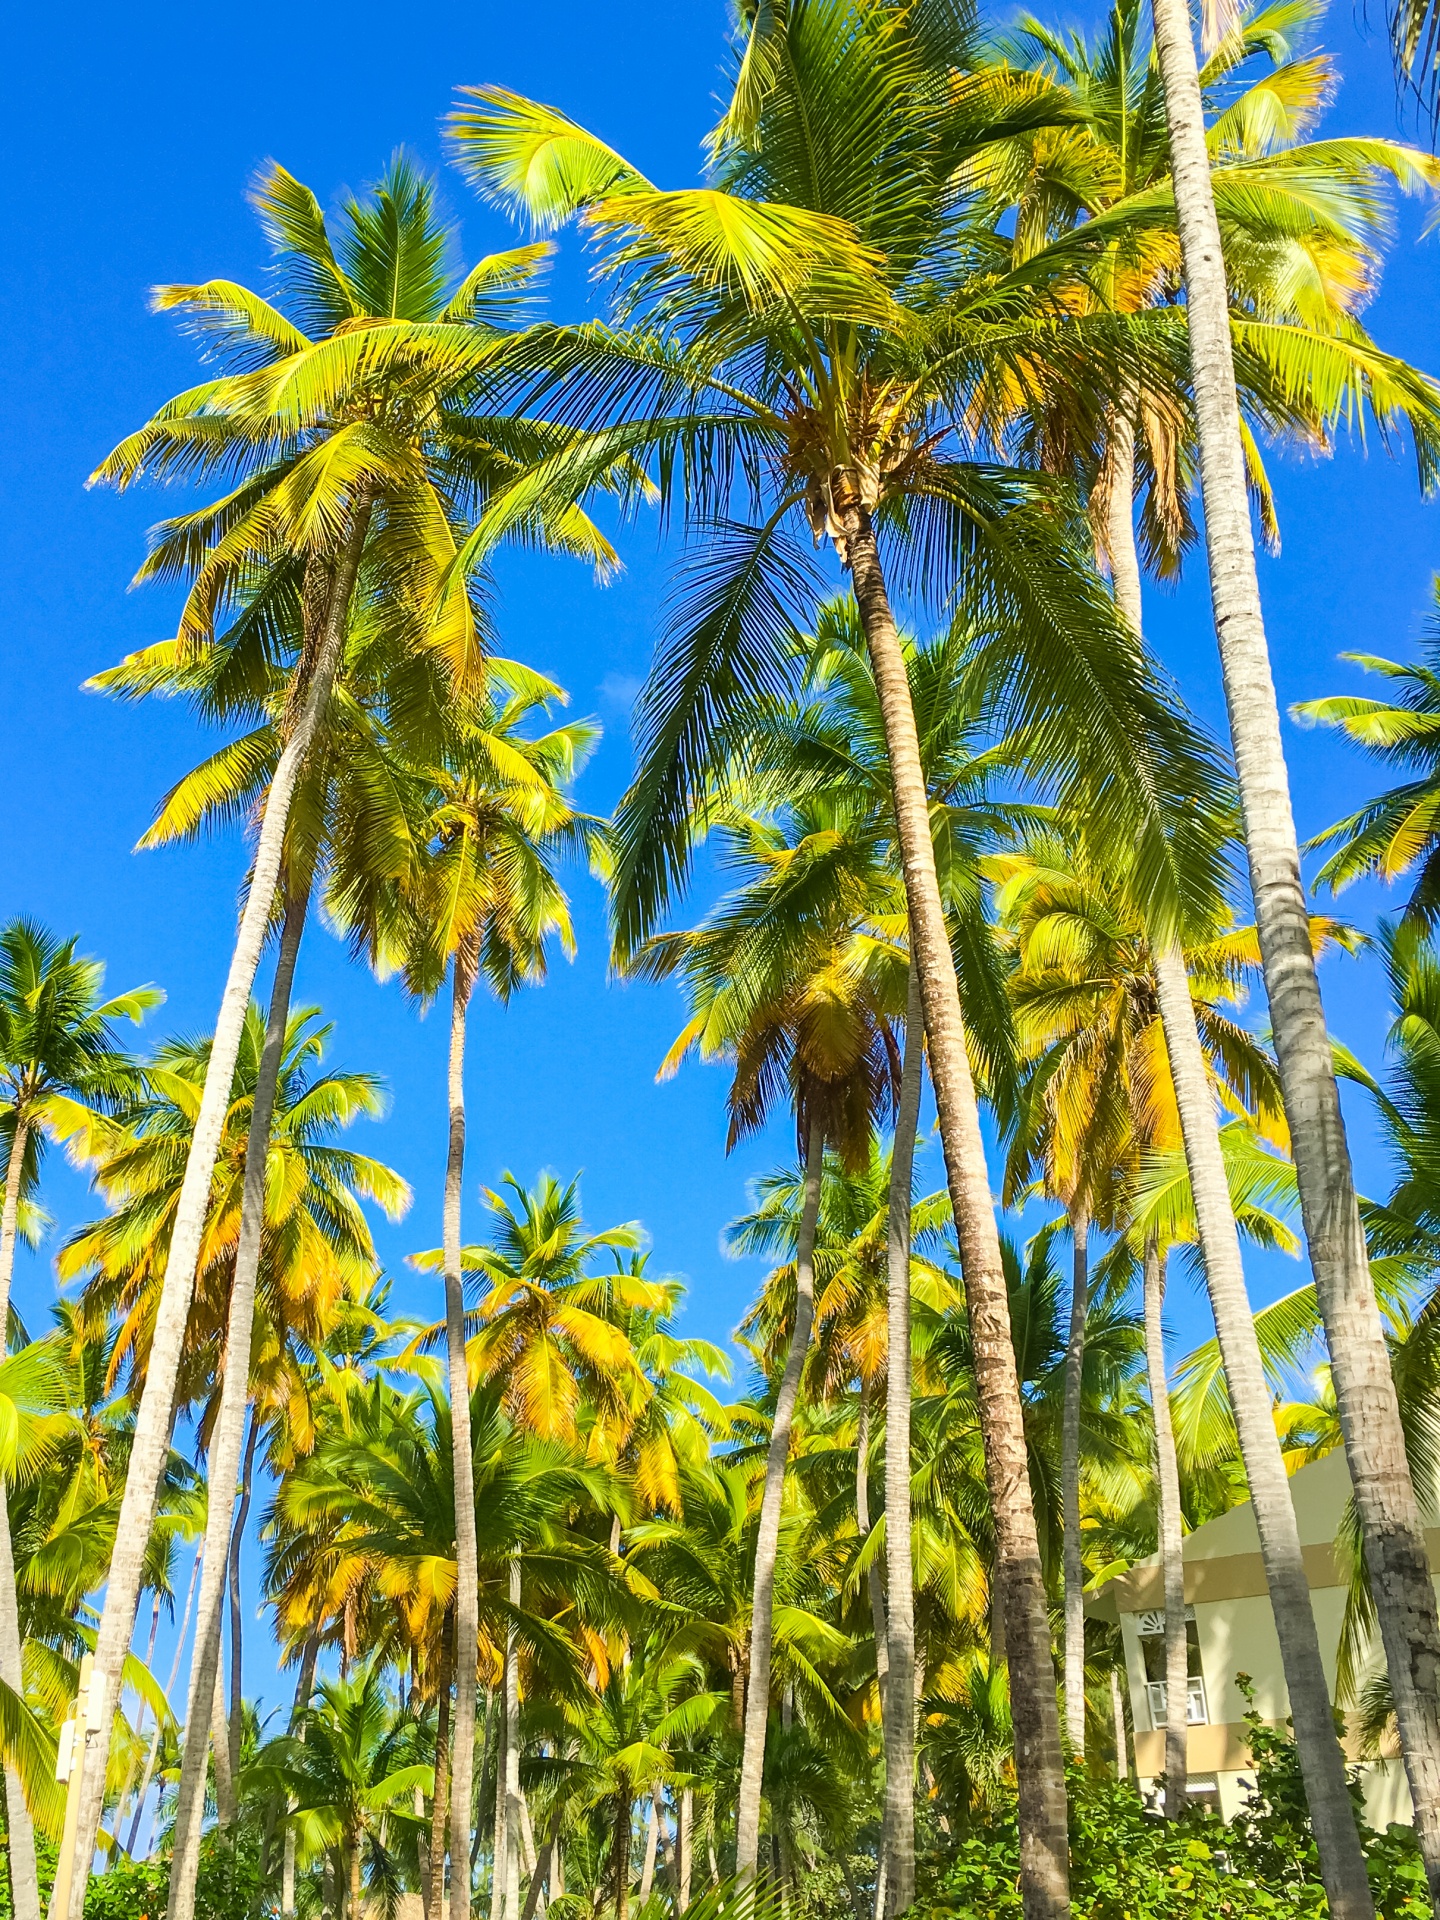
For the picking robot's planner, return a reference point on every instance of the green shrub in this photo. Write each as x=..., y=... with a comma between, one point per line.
x=1128, y=1865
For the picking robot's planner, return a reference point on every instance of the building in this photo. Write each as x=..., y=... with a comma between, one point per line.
x=1231, y=1631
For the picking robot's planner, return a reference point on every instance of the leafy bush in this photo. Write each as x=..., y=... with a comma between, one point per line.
x=1128, y=1865
x=227, y=1888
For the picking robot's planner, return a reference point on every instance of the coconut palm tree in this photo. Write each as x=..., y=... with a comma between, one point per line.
x=59, y=1065
x=811, y=333
x=483, y=900
x=351, y=418
x=317, y=1243
x=786, y=981
x=1365, y=1393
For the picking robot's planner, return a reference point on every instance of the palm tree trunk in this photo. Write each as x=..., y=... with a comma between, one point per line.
x=227, y=1810
x=1395, y=1553
x=767, y=1541
x=237, y=1611
x=1117, y=1713
x=1070, y=1484
x=221, y=1550
x=150, y=1441
x=440, y=1802
x=1172, y=1552
x=144, y=1708
x=899, y=1727
x=685, y=1845
x=862, y=1526
x=620, y=1858
x=512, y=1750
x=1322, y=1763
x=1039, y=1765
x=180, y=1639
x=356, y=1907
x=467, y=1554
x=497, y=1844
x=652, y=1841
x=24, y=1877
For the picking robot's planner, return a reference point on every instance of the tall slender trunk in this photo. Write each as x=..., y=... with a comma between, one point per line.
x=685, y=1844
x=237, y=1610
x=150, y=1441
x=1117, y=1714
x=140, y=1716
x=1400, y=1574
x=767, y=1539
x=652, y=1841
x=1322, y=1764
x=221, y=1549
x=356, y=1902
x=512, y=1749
x=1039, y=1765
x=24, y=1877
x=620, y=1857
x=467, y=1554
x=227, y=1808
x=180, y=1639
x=1070, y=1482
x=440, y=1802
x=497, y=1844
x=1321, y=1761
x=1171, y=1529
x=862, y=1526
x=899, y=1729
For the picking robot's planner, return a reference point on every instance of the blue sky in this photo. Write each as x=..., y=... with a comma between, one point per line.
x=131, y=134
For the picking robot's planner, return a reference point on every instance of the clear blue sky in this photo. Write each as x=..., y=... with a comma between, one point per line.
x=130, y=136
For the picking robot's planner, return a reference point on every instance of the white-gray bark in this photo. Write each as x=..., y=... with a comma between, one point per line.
x=1117, y=1712
x=1172, y=1532
x=230, y=1426
x=1074, y=1568
x=24, y=1877
x=151, y=1437
x=467, y=1592
x=1364, y=1388
x=767, y=1541
x=512, y=1752
x=899, y=1729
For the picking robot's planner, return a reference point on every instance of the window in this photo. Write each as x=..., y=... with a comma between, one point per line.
x=1151, y=1628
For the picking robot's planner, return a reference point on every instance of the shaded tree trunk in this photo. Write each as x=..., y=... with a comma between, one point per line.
x=1039, y=1765
x=237, y=1611
x=1364, y=1388
x=512, y=1749
x=620, y=1858
x=1070, y=1483
x=1117, y=1712
x=356, y=1903
x=1171, y=1529
x=180, y=1638
x=227, y=1810
x=221, y=1549
x=899, y=1726
x=439, y=1804
x=24, y=1876
x=467, y=1590
x=767, y=1541
x=150, y=1440
x=497, y=1844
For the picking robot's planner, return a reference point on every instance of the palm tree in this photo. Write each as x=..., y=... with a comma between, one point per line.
x=316, y=1244
x=812, y=333
x=785, y=981
x=352, y=421
x=484, y=900
x=1385, y=1496
x=58, y=1062
x=540, y=1335
x=351, y=1769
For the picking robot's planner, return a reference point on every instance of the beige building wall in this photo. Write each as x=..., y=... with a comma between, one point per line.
x=1235, y=1633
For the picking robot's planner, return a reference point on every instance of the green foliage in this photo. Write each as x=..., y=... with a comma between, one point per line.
x=1126, y=1864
